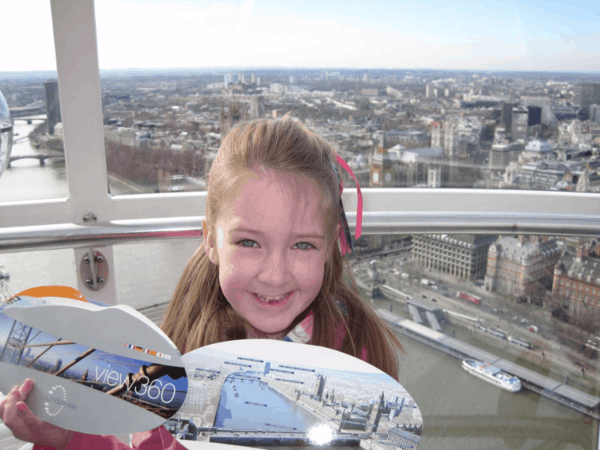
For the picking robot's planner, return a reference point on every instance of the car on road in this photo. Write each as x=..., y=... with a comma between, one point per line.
x=424, y=296
x=433, y=300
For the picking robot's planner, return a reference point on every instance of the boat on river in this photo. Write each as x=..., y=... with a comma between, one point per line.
x=492, y=374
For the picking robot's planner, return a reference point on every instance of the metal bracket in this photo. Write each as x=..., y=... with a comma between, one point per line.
x=94, y=270
x=89, y=217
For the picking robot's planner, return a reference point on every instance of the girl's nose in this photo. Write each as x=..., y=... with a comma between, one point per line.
x=275, y=270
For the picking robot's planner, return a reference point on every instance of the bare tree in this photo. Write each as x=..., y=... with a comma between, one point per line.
x=586, y=320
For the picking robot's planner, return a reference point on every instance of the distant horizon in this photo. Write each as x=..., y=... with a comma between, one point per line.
x=295, y=68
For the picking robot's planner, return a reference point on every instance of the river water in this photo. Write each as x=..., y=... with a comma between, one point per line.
x=248, y=397
x=460, y=412
x=27, y=179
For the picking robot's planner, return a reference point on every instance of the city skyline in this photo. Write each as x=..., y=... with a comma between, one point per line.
x=509, y=36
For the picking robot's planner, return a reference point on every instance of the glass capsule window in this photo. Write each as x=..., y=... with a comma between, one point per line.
x=32, y=157
x=496, y=111
x=490, y=97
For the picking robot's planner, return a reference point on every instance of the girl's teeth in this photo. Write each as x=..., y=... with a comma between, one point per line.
x=271, y=299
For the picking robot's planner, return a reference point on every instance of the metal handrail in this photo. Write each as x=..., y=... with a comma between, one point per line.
x=120, y=232
x=98, y=235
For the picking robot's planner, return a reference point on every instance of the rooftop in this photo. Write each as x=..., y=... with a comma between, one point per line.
x=514, y=248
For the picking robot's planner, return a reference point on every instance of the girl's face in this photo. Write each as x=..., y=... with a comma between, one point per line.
x=271, y=249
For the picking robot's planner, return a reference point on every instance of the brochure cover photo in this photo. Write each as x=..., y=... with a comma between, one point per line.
x=91, y=389
x=266, y=393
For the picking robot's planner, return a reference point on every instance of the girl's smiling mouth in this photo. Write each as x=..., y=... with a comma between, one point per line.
x=272, y=301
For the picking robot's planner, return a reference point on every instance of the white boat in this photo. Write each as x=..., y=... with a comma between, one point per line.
x=492, y=374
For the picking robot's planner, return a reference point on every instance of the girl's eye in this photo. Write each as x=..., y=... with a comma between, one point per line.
x=305, y=245
x=305, y=248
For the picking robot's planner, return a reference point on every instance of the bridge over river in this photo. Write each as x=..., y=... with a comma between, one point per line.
x=41, y=158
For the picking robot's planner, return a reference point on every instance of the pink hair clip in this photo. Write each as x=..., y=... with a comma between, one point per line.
x=345, y=237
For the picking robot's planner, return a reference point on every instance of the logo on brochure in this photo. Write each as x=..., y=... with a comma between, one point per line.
x=56, y=401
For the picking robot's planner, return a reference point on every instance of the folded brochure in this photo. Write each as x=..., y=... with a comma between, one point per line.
x=96, y=369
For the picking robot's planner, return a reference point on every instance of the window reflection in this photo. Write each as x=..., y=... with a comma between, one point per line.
x=515, y=311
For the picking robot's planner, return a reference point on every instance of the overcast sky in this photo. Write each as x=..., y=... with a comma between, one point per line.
x=504, y=35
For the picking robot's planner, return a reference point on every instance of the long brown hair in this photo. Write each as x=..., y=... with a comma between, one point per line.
x=199, y=314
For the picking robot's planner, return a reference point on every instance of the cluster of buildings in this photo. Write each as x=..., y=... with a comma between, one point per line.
x=521, y=266
x=366, y=417
x=396, y=128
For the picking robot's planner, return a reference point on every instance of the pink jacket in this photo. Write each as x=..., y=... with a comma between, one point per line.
x=156, y=439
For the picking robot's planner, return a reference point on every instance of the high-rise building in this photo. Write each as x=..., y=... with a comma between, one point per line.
x=534, y=116
x=520, y=118
x=462, y=256
x=506, y=115
x=594, y=113
x=548, y=117
x=429, y=90
x=52, y=105
x=585, y=95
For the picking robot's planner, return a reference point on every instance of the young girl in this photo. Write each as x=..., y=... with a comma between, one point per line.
x=270, y=266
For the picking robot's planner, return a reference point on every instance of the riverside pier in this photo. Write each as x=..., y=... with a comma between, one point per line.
x=546, y=387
